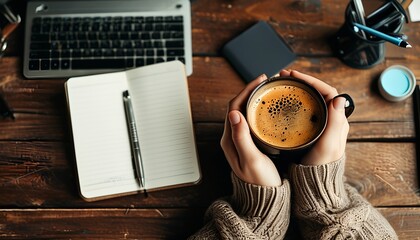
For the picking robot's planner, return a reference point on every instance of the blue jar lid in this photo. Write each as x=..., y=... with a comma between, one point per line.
x=397, y=83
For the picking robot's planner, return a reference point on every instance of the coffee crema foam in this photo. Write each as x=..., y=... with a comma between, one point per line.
x=285, y=116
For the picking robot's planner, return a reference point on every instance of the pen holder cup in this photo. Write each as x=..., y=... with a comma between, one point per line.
x=359, y=49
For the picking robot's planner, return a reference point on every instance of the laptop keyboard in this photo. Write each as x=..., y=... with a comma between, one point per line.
x=83, y=43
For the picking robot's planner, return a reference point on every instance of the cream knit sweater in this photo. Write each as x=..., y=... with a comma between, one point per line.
x=324, y=206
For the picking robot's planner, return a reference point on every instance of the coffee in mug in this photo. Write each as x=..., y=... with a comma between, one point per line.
x=286, y=113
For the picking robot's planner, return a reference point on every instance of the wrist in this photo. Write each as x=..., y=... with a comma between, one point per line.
x=320, y=184
x=255, y=200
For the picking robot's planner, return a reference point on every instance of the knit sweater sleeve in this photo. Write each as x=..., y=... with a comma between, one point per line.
x=328, y=208
x=252, y=212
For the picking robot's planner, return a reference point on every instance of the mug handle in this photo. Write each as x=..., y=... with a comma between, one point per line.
x=349, y=107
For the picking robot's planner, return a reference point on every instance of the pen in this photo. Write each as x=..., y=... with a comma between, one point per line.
x=394, y=40
x=134, y=140
x=399, y=35
x=360, y=12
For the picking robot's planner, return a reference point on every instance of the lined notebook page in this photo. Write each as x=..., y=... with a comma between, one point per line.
x=101, y=143
x=162, y=110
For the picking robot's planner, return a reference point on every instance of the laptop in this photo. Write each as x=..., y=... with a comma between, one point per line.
x=73, y=38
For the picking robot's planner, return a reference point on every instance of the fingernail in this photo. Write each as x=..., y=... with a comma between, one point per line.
x=339, y=103
x=263, y=76
x=234, y=118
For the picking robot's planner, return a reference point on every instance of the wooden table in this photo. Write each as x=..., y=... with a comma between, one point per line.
x=38, y=184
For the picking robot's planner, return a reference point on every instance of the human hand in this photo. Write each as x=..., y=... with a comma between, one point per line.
x=245, y=159
x=331, y=145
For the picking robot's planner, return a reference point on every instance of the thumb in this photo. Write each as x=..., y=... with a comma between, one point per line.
x=338, y=109
x=338, y=127
x=331, y=146
x=241, y=136
x=336, y=116
x=339, y=103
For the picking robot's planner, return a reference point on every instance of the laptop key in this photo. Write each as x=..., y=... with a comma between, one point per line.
x=177, y=35
x=55, y=64
x=40, y=46
x=174, y=44
x=39, y=54
x=148, y=27
x=139, y=62
x=178, y=18
x=34, y=65
x=157, y=44
x=129, y=63
x=40, y=37
x=160, y=52
x=175, y=52
x=158, y=19
x=110, y=42
x=76, y=53
x=45, y=64
x=55, y=54
x=65, y=54
x=108, y=52
x=98, y=64
x=166, y=35
x=150, y=52
x=147, y=44
x=65, y=64
x=156, y=35
x=96, y=52
x=174, y=27
x=145, y=36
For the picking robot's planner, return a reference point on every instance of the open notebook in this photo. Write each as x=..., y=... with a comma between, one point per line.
x=160, y=100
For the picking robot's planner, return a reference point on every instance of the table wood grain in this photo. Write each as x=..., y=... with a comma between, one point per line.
x=38, y=182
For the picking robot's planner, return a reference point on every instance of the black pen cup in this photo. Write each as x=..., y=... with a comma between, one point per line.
x=360, y=49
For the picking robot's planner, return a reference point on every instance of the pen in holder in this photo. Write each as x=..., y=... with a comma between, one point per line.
x=358, y=49
x=8, y=23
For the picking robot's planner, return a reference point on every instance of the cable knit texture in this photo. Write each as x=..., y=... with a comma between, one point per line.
x=327, y=208
x=324, y=207
x=252, y=212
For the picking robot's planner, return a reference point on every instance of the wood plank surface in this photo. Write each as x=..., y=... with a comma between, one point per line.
x=213, y=85
x=38, y=181
x=39, y=175
x=41, y=117
x=305, y=25
x=404, y=221
x=107, y=223
x=131, y=223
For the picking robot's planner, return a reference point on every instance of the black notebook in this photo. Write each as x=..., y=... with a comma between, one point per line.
x=258, y=50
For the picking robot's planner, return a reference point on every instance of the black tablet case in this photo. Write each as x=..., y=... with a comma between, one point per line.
x=258, y=50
